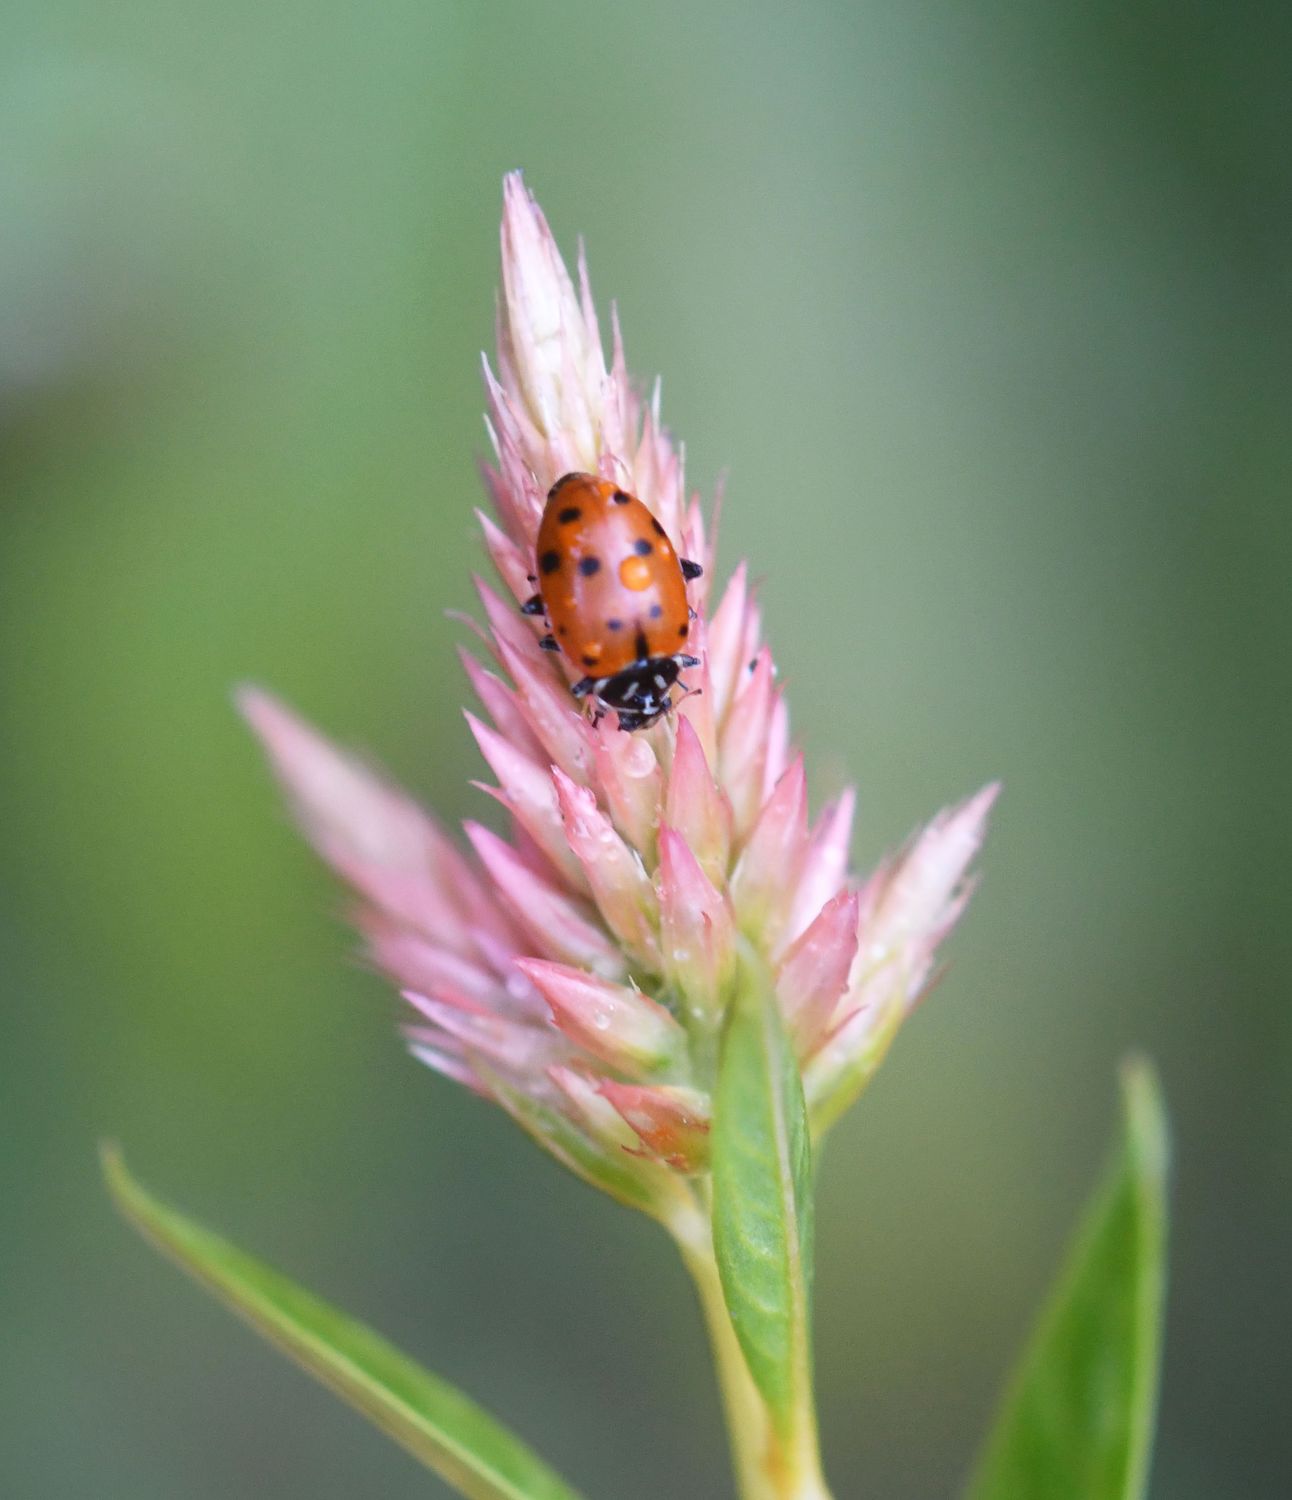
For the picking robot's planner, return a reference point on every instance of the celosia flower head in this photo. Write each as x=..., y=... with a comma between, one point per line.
x=577, y=970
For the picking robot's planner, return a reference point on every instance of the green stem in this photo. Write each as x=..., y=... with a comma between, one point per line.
x=761, y=1467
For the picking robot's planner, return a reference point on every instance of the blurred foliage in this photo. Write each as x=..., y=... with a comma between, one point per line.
x=987, y=310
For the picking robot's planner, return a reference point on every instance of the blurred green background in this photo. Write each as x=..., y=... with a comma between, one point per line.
x=987, y=310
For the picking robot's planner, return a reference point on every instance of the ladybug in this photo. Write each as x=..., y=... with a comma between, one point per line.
x=613, y=592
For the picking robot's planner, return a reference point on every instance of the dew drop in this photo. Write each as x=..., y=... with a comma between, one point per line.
x=639, y=761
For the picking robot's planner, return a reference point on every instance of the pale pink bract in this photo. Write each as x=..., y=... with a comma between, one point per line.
x=578, y=970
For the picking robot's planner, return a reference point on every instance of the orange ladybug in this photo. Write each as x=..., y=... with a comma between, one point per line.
x=613, y=592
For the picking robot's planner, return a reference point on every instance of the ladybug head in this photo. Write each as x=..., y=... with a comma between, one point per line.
x=640, y=694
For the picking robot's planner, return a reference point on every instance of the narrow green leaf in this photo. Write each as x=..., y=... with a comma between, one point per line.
x=1078, y=1416
x=436, y=1423
x=762, y=1201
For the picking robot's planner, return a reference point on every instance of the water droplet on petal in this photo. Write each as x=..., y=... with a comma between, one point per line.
x=640, y=760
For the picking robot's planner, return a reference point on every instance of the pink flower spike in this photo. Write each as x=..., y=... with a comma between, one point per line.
x=612, y=1023
x=696, y=930
x=672, y=1123
x=578, y=970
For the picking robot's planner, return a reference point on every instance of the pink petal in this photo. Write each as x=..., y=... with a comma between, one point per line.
x=514, y=563
x=631, y=783
x=416, y=964
x=725, y=637
x=597, y=1116
x=519, y=1051
x=814, y=973
x=372, y=834
x=510, y=628
x=499, y=702
x=672, y=1123
x=613, y=871
x=555, y=924
x=448, y=1063
x=694, y=803
x=825, y=864
x=778, y=744
x=526, y=789
x=911, y=903
x=550, y=712
x=696, y=928
x=763, y=883
x=745, y=738
x=616, y=1024
x=547, y=336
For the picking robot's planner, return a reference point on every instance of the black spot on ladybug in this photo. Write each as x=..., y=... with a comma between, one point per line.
x=570, y=513
x=656, y=610
x=659, y=530
x=589, y=661
x=562, y=630
x=642, y=646
x=642, y=547
x=614, y=624
x=684, y=631
x=590, y=565
x=620, y=498
x=550, y=561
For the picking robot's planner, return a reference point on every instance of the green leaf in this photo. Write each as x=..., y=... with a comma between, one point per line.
x=762, y=1201
x=436, y=1423
x=1077, y=1418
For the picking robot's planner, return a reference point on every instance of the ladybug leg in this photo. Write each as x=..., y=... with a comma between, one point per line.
x=533, y=605
x=548, y=643
x=690, y=569
x=583, y=687
x=687, y=661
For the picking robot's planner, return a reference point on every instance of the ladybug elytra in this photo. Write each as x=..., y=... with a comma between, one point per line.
x=613, y=591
